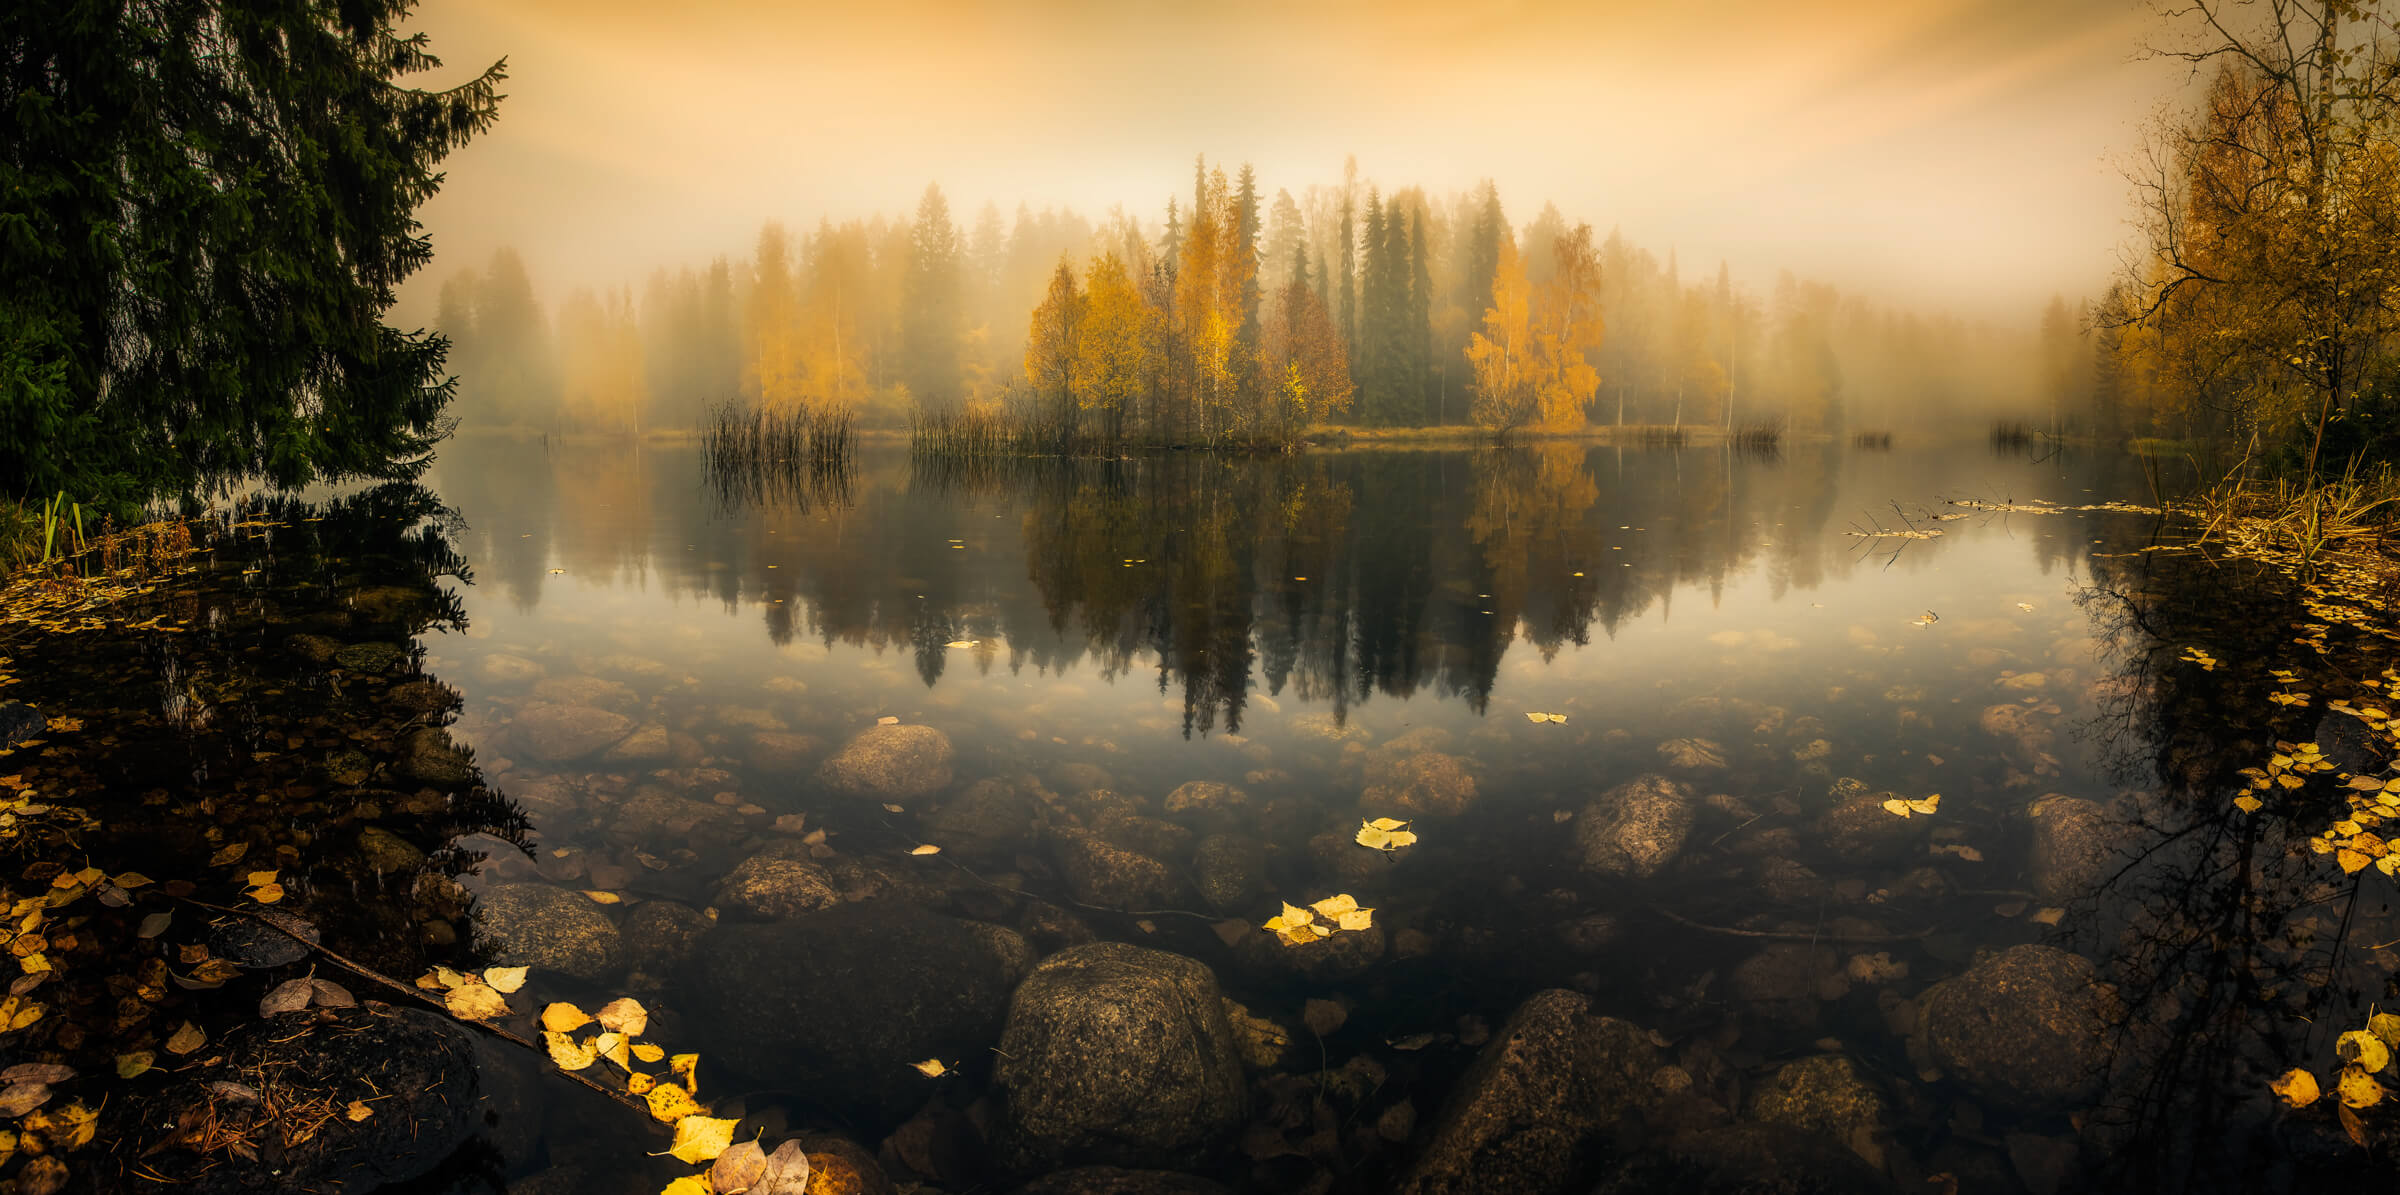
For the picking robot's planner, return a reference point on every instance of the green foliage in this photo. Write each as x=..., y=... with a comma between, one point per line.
x=205, y=206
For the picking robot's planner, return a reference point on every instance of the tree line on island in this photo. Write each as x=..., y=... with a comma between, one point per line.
x=1236, y=320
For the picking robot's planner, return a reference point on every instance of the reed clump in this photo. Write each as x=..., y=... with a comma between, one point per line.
x=1872, y=441
x=800, y=454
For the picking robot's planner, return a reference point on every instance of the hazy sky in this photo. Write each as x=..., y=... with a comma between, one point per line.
x=1963, y=152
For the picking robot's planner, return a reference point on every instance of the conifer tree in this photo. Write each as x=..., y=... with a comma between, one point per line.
x=1419, y=328
x=208, y=207
x=929, y=294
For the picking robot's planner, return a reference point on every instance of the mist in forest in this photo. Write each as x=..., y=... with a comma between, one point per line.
x=1824, y=214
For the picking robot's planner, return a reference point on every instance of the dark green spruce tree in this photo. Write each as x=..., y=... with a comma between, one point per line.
x=205, y=208
x=1419, y=327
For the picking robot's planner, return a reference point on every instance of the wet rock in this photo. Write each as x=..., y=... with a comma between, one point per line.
x=550, y=929
x=417, y=1068
x=784, y=753
x=652, y=813
x=838, y=1003
x=766, y=888
x=1789, y=882
x=1746, y=1159
x=990, y=818
x=2348, y=743
x=2019, y=728
x=422, y=696
x=1427, y=784
x=661, y=935
x=505, y=668
x=387, y=853
x=1540, y=1103
x=1117, y=1054
x=743, y=717
x=632, y=666
x=1155, y=837
x=1859, y=827
x=1230, y=872
x=316, y=649
x=1206, y=796
x=2074, y=847
x=890, y=763
x=1341, y=860
x=1263, y=1041
x=1634, y=829
x=840, y=1166
x=261, y=938
x=1828, y=1097
x=2026, y=1029
x=1784, y=982
x=1101, y=873
x=1345, y=955
x=1328, y=727
x=372, y=657
x=559, y=733
x=1079, y=776
x=1692, y=755
x=647, y=744
x=1111, y=1180
x=431, y=759
x=1590, y=933
x=586, y=690
x=391, y=604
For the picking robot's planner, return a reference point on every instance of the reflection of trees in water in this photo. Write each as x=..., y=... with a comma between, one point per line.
x=2237, y=952
x=1336, y=577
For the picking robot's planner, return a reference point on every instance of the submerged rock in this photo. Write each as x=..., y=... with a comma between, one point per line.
x=770, y=888
x=1746, y=1159
x=1117, y=1054
x=1206, y=796
x=1859, y=827
x=550, y=929
x=559, y=733
x=586, y=690
x=1102, y=873
x=661, y=935
x=988, y=818
x=647, y=744
x=372, y=657
x=1540, y=1104
x=1692, y=755
x=1634, y=829
x=1426, y=784
x=1828, y=1096
x=2074, y=848
x=1230, y=871
x=838, y=1003
x=2025, y=1028
x=417, y=1069
x=430, y=758
x=890, y=763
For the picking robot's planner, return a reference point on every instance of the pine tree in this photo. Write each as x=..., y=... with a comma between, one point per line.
x=1348, y=267
x=1419, y=328
x=1245, y=257
x=209, y=206
x=929, y=296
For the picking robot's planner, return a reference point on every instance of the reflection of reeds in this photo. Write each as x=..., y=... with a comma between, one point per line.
x=1763, y=439
x=2010, y=434
x=1872, y=441
x=1661, y=436
x=794, y=457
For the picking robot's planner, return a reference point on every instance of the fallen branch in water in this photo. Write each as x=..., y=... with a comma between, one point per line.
x=1775, y=935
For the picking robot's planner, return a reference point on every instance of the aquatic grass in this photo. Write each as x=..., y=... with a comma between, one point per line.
x=1763, y=438
x=798, y=457
x=1872, y=441
x=2011, y=435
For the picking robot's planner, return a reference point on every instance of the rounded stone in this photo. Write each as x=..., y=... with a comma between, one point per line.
x=891, y=763
x=550, y=929
x=2026, y=1028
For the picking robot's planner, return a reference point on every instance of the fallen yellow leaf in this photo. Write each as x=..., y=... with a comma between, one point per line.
x=475, y=1002
x=931, y=1068
x=701, y=1138
x=567, y=1052
x=564, y=1018
x=505, y=980
x=670, y=1103
x=2297, y=1088
x=624, y=1015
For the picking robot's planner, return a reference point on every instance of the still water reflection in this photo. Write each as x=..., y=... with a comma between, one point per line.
x=1162, y=693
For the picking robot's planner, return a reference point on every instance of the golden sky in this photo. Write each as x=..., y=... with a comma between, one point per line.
x=1959, y=152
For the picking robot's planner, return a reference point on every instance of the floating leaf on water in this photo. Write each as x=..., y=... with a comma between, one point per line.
x=564, y=1018
x=614, y=1047
x=37, y=1072
x=931, y=1068
x=787, y=1172
x=505, y=980
x=1385, y=834
x=690, y=1184
x=290, y=996
x=960, y=643
x=648, y=1051
x=639, y=1083
x=687, y=1068
x=887, y=720
x=186, y=1039
x=737, y=1169
x=136, y=1063
x=2351, y=861
x=1357, y=920
x=475, y=1002
x=2025, y=606
x=358, y=1111
x=606, y=898
x=2358, y=1089
x=701, y=1138
x=926, y=849
x=624, y=1015
x=267, y=894
x=229, y=854
x=2297, y=1088
x=20, y=1098
x=1907, y=808
x=670, y=1103
x=1334, y=906
x=329, y=994
x=2051, y=916
x=155, y=924
x=2247, y=803
x=441, y=979
x=2385, y=1026
x=567, y=1052
x=2357, y=1046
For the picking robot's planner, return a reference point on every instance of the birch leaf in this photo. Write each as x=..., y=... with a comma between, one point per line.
x=701, y=1138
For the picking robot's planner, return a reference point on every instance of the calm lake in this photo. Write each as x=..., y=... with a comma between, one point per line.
x=1806, y=855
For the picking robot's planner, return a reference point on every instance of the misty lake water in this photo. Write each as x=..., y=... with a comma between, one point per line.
x=1653, y=716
